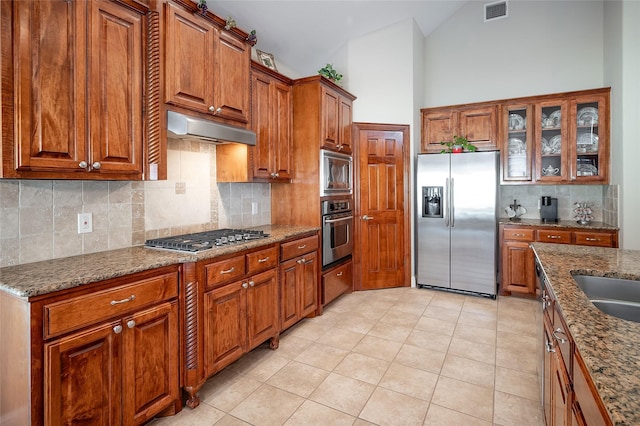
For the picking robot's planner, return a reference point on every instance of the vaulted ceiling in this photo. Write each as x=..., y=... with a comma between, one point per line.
x=304, y=34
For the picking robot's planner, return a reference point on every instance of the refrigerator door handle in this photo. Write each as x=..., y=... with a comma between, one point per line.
x=446, y=198
x=452, y=208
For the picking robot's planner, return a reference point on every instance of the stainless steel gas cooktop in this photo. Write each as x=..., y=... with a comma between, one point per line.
x=193, y=243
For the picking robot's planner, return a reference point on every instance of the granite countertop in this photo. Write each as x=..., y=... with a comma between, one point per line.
x=609, y=346
x=40, y=278
x=560, y=224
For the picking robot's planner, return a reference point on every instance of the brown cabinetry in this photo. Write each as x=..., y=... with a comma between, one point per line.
x=336, y=120
x=337, y=281
x=206, y=68
x=240, y=306
x=477, y=122
x=103, y=353
x=299, y=270
x=517, y=270
x=74, y=97
x=271, y=118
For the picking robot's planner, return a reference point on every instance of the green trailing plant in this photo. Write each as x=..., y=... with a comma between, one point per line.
x=330, y=73
x=460, y=141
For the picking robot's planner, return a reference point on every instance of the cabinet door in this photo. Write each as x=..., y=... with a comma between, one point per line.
x=231, y=78
x=262, y=124
x=547, y=373
x=188, y=59
x=437, y=126
x=553, y=140
x=589, y=129
x=150, y=362
x=115, y=91
x=517, y=146
x=308, y=284
x=281, y=131
x=50, y=85
x=480, y=127
x=330, y=131
x=289, y=306
x=345, y=143
x=82, y=377
x=518, y=273
x=262, y=308
x=225, y=326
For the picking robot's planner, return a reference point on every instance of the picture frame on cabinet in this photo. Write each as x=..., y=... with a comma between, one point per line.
x=267, y=59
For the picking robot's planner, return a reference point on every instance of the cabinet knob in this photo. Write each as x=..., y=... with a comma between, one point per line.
x=301, y=261
x=560, y=339
x=82, y=164
x=245, y=285
x=131, y=323
x=96, y=165
x=275, y=175
x=117, y=329
x=252, y=283
x=215, y=110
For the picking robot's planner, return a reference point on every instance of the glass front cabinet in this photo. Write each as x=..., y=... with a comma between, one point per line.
x=556, y=139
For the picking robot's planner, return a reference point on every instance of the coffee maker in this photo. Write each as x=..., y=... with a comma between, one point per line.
x=549, y=209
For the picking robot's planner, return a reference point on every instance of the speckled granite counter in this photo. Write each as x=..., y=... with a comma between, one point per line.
x=560, y=224
x=39, y=278
x=609, y=346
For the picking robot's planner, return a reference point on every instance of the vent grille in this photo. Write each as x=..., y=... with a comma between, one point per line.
x=495, y=10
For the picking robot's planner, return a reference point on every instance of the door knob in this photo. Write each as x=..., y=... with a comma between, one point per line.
x=365, y=217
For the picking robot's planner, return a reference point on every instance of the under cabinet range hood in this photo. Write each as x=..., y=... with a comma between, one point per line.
x=181, y=126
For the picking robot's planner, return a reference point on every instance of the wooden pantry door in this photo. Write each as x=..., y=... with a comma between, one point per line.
x=382, y=245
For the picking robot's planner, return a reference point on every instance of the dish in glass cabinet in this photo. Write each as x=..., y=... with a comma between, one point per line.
x=516, y=146
x=587, y=116
x=551, y=146
x=588, y=141
x=516, y=122
x=587, y=170
x=556, y=117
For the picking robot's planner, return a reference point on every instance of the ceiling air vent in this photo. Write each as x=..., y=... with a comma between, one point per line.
x=495, y=10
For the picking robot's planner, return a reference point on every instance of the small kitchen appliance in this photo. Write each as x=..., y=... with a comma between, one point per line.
x=548, y=209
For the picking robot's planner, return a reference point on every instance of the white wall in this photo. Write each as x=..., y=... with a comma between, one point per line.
x=541, y=47
x=622, y=72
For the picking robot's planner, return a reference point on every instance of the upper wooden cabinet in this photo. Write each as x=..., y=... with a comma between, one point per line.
x=324, y=111
x=558, y=139
x=272, y=120
x=206, y=67
x=478, y=123
x=74, y=95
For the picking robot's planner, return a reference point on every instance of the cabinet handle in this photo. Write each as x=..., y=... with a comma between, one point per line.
x=252, y=283
x=214, y=109
x=560, y=339
x=128, y=299
x=117, y=329
x=339, y=274
x=554, y=237
x=549, y=347
x=545, y=302
x=518, y=235
x=263, y=260
x=96, y=165
x=302, y=246
x=228, y=271
x=83, y=164
x=245, y=285
x=131, y=323
x=592, y=239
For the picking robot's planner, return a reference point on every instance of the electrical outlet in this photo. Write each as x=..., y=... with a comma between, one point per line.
x=85, y=223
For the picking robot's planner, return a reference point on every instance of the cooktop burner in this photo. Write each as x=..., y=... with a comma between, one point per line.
x=200, y=241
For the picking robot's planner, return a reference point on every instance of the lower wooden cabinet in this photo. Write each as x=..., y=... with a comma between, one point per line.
x=337, y=281
x=517, y=270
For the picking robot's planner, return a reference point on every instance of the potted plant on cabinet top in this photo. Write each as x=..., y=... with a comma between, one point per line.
x=330, y=73
x=457, y=145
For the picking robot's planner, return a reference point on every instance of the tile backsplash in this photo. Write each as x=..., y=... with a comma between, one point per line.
x=39, y=218
x=603, y=198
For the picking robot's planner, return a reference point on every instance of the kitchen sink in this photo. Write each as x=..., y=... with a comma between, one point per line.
x=614, y=296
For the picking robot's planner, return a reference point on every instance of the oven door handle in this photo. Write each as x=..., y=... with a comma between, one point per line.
x=338, y=220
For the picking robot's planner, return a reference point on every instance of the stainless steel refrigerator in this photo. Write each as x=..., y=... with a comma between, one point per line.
x=456, y=221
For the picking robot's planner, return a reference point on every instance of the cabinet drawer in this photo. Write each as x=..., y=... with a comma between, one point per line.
x=67, y=315
x=518, y=234
x=337, y=282
x=298, y=247
x=224, y=270
x=600, y=239
x=553, y=236
x=262, y=260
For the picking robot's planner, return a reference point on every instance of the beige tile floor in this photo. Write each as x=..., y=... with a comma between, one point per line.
x=388, y=357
